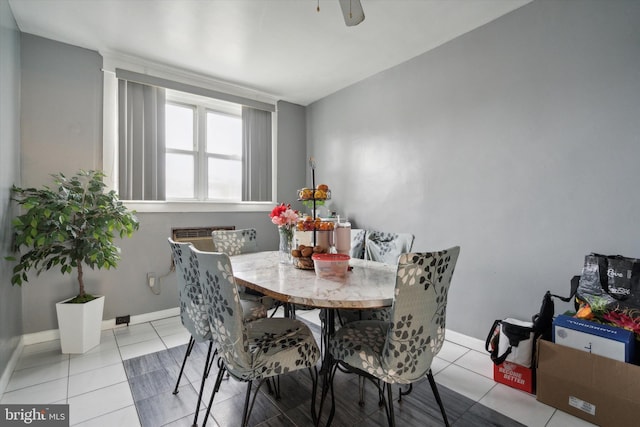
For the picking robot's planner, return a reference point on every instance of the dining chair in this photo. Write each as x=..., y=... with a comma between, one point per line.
x=193, y=313
x=236, y=242
x=386, y=247
x=357, y=243
x=400, y=351
x=250, y=351
x=382, y=247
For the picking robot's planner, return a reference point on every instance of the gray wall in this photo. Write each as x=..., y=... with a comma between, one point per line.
x=10, y=297
x=62, y=128
x=518, y=141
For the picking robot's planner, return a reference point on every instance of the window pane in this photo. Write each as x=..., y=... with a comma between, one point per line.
x=224, y=179
x=224, y=134
x=180, y=176
x=179, y=127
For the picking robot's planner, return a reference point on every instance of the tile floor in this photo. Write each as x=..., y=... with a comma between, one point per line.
x=95, y=384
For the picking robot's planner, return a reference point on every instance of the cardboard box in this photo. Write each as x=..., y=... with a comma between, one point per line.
x=515, y=376
x=596, y=338
x=597, y=389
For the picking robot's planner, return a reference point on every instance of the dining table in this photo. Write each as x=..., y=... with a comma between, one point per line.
x=366, y=285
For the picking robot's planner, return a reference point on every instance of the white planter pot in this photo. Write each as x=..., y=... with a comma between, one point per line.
x=80, y=325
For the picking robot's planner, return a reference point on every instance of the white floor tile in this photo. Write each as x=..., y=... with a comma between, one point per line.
x=89, y=362
x=562, y=419
x=176, y=340
x=106, y=345
x=465, y=340
x=46, y=357
x=451, y=352
x=135, y=334
x=464, y=381
x=125, y=417
x=41, y=346
x=173, y=320
x=169, y=328
x=97, y=378
x=46, y=392
x=99, y=402
x=519, y=405
x=438, y=365
x=142, y=348
x=480, y=363
x=38, y=374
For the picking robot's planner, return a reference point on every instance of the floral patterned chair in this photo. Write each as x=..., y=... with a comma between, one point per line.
x=357, y=243
x=380, y=247
x=193, y=313
x=386, y=247
x=401, y=351
x=258, y=350
x=236, y=242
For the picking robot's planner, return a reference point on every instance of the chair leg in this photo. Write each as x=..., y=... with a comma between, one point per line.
x=205, y=374
x=436, y=394
x=184, y=362
x=275, y=308
x=361, y=388
x=405, y=393
x=329, y=378
x=216, y=387
x=391, y=417
x=313, y=373
x=245, y=414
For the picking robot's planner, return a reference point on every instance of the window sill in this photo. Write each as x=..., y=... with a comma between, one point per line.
x=144, y=206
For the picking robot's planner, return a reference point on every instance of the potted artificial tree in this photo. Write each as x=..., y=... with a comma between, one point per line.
x=67, y=227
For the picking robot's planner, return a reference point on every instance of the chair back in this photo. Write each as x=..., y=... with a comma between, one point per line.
x=235, y=242
x=193, y=313
x=418, y=314
x=386, y=247
x=224, y=309
x=357, y=243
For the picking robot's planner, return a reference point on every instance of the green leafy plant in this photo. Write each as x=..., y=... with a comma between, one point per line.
x=68, y=226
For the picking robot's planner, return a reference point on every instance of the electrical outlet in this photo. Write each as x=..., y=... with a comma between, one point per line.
x=151, y=279
x=123, y=319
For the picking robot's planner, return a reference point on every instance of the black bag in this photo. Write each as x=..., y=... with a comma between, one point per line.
x=610, y=279
x=541, y=327
x=543, y=320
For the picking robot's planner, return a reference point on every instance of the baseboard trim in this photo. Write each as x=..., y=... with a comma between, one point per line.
x=8, y=369
x=54, y=334
x=465, y=340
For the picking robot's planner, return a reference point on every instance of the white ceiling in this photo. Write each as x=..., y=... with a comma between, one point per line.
x=283, y=48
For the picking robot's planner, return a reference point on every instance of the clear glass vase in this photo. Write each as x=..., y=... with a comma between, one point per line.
x=286, y=237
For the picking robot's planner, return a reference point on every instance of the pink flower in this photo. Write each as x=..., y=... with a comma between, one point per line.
x=283, y=215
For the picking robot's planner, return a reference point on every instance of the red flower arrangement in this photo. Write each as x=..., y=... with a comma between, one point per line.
x=283, y=215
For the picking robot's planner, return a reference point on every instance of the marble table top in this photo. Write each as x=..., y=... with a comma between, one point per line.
x=368, y=285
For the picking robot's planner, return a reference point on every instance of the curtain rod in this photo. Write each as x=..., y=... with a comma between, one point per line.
x=196, y=90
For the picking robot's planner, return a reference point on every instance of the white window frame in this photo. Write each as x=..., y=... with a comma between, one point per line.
x=110, y=133
x=201, y=106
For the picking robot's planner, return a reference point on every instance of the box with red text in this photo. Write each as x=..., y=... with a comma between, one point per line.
x=515, y=376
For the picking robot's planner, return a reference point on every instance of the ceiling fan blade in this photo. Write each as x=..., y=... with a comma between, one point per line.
x=352, y=12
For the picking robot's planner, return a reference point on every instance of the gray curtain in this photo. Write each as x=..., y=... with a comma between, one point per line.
x=141, y=146
x=256, y=159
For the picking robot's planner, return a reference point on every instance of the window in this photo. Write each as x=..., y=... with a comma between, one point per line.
x=203, y=149
x=173, y=141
